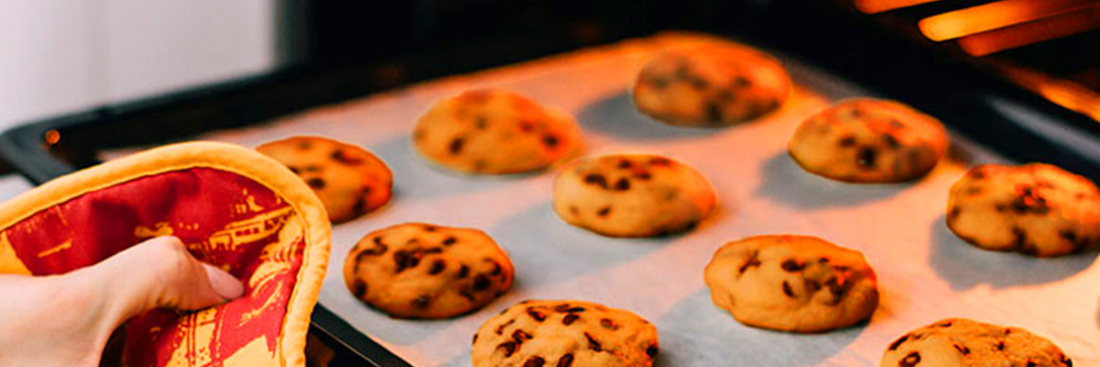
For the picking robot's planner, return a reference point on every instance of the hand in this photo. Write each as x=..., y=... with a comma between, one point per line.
x=65, y=320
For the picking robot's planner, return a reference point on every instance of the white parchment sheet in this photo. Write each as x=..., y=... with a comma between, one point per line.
x=925, y=273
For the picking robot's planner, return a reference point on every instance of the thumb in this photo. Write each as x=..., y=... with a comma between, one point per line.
x=160, y=273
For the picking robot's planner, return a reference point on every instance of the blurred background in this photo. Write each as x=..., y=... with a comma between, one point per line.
x=61, y=56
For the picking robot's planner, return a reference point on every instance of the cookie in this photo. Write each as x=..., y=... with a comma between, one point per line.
x=1035, y=209
x=711, y=85
x=349, y=180
x=417, y=270
x=867, y=140
x=495, y=132
x=792, y=283
x=968, y=343
x=564, y=334
x=632, y=195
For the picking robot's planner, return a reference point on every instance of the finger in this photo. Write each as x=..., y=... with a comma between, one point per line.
x=161, y=273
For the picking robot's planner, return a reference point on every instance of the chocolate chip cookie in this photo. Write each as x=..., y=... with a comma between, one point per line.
x=1035, y=209
x=495, y=132
x=867, y=140
x=564, y=334
x=632, y=195
x=349, y=180
x=711, y=85
x=792, y=283
x=417, y=270
x=968, y=343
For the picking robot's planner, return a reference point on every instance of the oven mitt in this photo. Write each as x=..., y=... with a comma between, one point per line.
x=233, y=207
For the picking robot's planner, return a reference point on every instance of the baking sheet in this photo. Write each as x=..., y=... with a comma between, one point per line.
x=925, y=273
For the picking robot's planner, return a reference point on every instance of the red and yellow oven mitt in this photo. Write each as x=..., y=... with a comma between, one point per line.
x=232, y=206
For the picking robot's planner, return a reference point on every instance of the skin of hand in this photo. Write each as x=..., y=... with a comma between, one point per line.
x=65, y=320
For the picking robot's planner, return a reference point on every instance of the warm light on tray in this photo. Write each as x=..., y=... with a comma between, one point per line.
x=992, y=16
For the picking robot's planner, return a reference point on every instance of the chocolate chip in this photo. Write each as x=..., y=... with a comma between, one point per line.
x=497, y=269
x=787, y=289
x=592, y=343
x=660, y=161
x=608, y=324
x=953, y=213
x=509, y=348
x=481, y=282
x=429, y=228
x=962, y=349
x=481, y=123
x=520, y=336
x=475, y=339
x=437, y=267
x=404, y=260
x=535, y=314
x=897, y=343
x=574, y=309
x=1000, y=345
x=421, y=301
x=360, y=205
x=792, y=265
x=603, y=212
x=848, y=141
x=713, y=111
x=596, y=179
x=866, y=158
x=535, y=361
x=550, y=141
x=741, y=82
x=697, y=82
x=526, y=126
x=456, y=145
x=643, y=175
x=751, y=262
x=339, y=156
x=463, y=272
x=1031, y=363
x=622, y=184
x=305, y=144
x=294, y=169
x=565, y=361
x=316, y=183
x=910, y=360
x=977, y=173
x=624, y=164
x=450, y=240
x=1030, y=201
x=569, y=318
x=358, y=288
x=500, y=329
x=891, y=141
x=574, y=210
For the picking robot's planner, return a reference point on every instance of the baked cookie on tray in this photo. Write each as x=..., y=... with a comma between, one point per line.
x=494, y=131
x=564, y=334
x=792, y=283
x=969, y=343
x=711, y=85
x=868, y=140
x=349, y=180
x=1035, y=209
x=417, y=270
x=632, y=195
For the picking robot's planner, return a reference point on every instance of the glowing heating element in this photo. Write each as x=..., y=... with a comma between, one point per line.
x=992, y=16
x=1061, y=25
x=879, y=6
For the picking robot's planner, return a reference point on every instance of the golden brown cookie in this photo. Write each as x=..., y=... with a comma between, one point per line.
x=792, y=283
x=495, y=132
x=417, y=270
x=1035, y=209
x=868, y=140
x=711, y=85
x=968, y=343
x=349, y=180
x=632, y=195
x=564, y=334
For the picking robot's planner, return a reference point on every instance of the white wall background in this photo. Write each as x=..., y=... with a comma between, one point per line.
x=60, y=56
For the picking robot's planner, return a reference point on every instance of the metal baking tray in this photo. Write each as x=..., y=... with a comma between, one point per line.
x=1002, y=123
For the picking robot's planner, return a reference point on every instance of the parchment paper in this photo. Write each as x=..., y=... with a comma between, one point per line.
x=925, y=273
